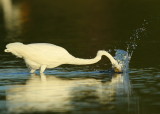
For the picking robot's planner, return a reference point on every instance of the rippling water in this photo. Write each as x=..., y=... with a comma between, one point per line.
x=78, y=91
x=59, y=91
x=83, y=28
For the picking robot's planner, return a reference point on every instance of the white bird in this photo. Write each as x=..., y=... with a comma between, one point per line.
x=45, y=55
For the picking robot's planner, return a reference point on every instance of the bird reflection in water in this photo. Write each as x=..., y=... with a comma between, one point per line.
x=49, y=93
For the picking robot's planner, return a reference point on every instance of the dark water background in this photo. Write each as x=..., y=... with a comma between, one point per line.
x=82, y=27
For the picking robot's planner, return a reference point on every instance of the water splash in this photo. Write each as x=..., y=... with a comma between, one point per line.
x=124, y=57
x=135, y=37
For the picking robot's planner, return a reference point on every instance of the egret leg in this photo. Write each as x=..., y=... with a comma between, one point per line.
x=32, y=70
x=43, y=77
x=42, y=69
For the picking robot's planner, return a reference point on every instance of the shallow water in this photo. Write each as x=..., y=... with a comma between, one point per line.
x=83, y=28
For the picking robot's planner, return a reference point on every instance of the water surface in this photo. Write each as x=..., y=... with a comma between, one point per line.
x=83, y=28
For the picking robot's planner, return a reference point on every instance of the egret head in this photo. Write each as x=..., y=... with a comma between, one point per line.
x=14, y=48
x=117, y=69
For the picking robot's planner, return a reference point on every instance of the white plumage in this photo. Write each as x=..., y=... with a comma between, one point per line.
x=45, y=55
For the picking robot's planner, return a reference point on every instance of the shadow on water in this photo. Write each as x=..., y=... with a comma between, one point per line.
x=50, y=93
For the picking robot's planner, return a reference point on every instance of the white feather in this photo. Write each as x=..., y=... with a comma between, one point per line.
x=45, y=55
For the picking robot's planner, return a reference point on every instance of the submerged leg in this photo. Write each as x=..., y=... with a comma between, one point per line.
x=42, y=69
x=32, y=70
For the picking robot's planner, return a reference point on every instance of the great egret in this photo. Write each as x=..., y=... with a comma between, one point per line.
x=45, y=55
